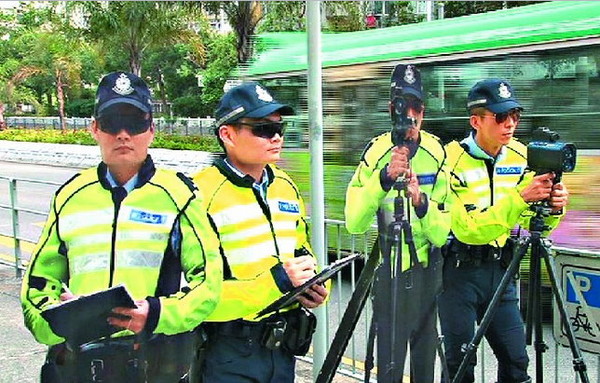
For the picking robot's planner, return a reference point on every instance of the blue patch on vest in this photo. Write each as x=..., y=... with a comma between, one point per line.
x=145, y=217
x=426, y=179
x=289, y=207
x=509, y=170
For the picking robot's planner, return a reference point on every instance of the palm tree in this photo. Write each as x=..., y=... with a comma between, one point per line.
x=134, y=26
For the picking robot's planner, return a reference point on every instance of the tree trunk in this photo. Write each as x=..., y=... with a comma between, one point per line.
x=163, y=93
x=60, y=95
x=2, y=122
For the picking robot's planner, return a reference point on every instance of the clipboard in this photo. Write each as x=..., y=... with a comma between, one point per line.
x=83, y=319
x=326, y=274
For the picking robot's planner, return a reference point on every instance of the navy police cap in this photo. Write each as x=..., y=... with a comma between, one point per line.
x=406, y=79
x=494, y=94
x=122, y=88
x=248, y=100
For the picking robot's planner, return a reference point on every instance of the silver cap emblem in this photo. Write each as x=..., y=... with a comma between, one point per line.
x=409, y=75
x=503, y=91
x=263, y=94
x=123, y=85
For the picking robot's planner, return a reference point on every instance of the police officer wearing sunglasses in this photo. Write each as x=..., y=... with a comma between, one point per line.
x=371, y=192
x=492, y=194
x=124, y=222
x=258, y=214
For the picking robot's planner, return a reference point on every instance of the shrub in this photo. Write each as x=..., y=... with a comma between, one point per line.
x=80, y=108
x=83, y=137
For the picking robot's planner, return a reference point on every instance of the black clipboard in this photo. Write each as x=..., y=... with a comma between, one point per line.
x=290, y=297
x=83, y=319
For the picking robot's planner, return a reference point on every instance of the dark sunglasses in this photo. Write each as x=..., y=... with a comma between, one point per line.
x=515, y=115
x=265, y=129
x=132, y=125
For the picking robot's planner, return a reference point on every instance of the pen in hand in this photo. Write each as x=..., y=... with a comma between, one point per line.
x=69, y=294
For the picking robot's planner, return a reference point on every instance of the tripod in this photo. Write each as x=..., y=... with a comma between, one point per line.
x=391, y=349
x=386, y=315
x=540, y=248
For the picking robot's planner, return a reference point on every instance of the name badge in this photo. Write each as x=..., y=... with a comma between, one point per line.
x=426, y=179
x=145, y=217
x=289, y=207
x=509, y=170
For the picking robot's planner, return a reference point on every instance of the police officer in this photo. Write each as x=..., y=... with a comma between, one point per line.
x=258, y=214
x=124, y=222
x=420, y=160
x=493, y=193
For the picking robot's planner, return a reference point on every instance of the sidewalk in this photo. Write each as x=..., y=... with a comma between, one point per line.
x=21, y=356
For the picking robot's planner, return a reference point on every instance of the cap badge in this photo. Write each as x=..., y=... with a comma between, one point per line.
x=263, y=94
x=409, y=75
x=123, y=85
x=503, y=91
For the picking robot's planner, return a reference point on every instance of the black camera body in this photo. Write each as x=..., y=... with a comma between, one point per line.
x=546, y=154
x=401, y=122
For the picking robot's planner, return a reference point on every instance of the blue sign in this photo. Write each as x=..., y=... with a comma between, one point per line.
x=589, y=285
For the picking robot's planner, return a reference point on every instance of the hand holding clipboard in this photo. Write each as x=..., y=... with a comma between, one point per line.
x=291, y=296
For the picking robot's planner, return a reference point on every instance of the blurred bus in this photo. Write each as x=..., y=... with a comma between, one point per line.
x=550, y=53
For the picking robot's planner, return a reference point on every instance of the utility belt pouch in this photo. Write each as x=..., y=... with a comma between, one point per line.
x=274, y=332
x=299, y=332
x=508, y=252
x=110, y=362
x=56, y=366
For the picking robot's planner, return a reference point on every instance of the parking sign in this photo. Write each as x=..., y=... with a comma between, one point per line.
x=580, y=281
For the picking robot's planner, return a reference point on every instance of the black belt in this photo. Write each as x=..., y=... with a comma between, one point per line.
x=239, y=328
x=474, y=254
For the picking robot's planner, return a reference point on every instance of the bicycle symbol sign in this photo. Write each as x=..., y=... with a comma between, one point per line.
x=580, y=283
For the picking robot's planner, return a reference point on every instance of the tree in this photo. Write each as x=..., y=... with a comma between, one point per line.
x=134, y=26
x=283, y=16
x=243, y=16
x=462, y=8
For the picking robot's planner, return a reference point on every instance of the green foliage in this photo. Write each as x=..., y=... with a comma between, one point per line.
x=344, y=16
x=80, y=108
x=463, y=8
x=83, y=137
x=401, y=12
x=281, y=16
x=222, y=61
x=190, y=106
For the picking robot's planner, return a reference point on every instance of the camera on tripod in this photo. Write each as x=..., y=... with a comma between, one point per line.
x=546, y=154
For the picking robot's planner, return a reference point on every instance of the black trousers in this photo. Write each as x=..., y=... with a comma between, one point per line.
x=468, y=290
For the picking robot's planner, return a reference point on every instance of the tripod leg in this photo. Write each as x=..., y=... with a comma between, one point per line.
x=350, y=318
x=369, y=360
x=471, y=348
x=578, y=363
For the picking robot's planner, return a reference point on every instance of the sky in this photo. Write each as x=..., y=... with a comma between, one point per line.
x=8, y=4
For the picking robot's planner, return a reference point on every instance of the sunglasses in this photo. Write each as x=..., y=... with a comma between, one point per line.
x=514, y=114
x=266, y=129
x=133, y=125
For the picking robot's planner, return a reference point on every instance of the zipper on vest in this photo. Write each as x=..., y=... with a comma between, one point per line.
x=118, y=195
x=489, y=164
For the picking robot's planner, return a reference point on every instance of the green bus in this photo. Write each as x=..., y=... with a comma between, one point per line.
x=550, y=52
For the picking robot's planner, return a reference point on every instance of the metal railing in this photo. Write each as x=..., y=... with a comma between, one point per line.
x=181, y=125
x=339, y=244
